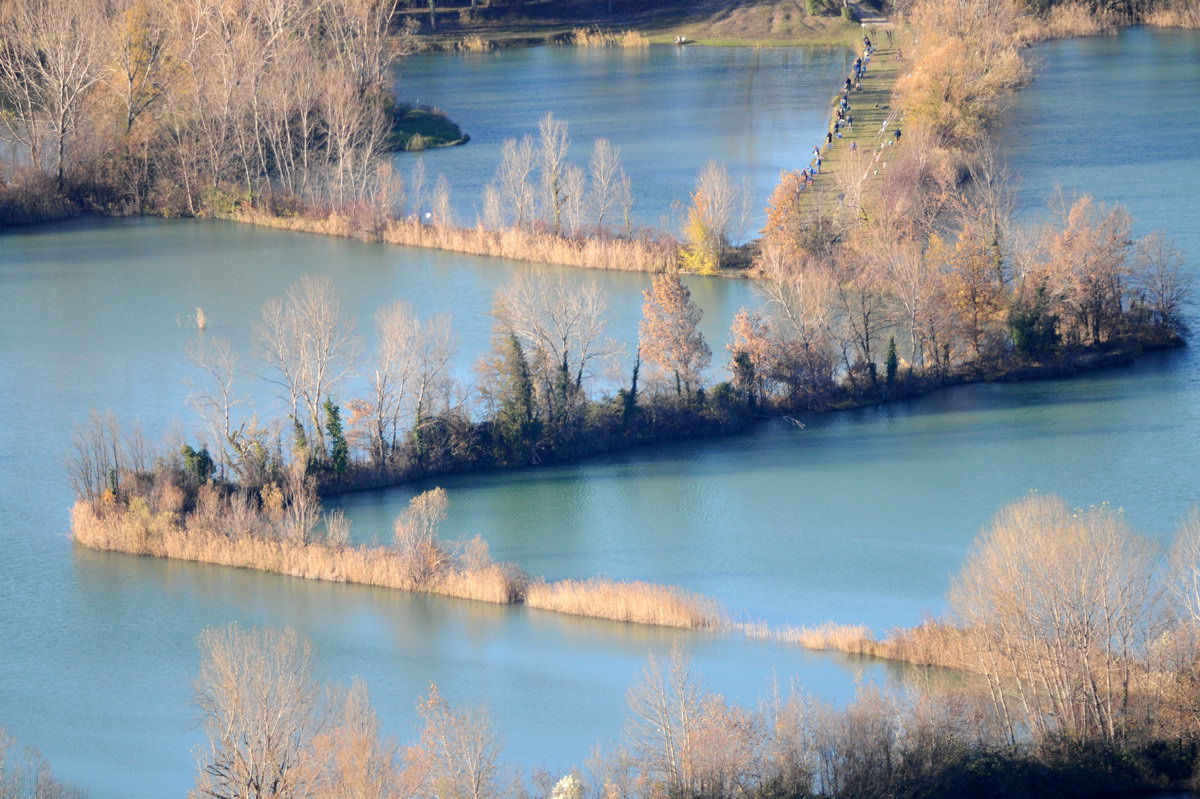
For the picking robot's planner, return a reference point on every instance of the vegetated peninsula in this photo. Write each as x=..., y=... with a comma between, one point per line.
x=1086, y=673
x=913, y=284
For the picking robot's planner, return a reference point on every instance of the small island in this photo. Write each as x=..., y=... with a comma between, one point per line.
x=423, y=128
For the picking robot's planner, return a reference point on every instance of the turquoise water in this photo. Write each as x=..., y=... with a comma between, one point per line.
x=858, y=516
x=97, y=652
x=669, y=109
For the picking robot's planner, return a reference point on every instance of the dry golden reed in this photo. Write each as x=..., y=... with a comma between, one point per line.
x=631, y=601
x=1068, y=20
x=474, y=44
x=139, y=531
x=1181, y=14
x=595, y=37
x=539, y=246
x=526, y=245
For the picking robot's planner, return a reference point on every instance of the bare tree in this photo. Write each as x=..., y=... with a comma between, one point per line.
x=917, y=286
x=301, y=509
x=1061, y=605
x=261, y=708
x=605, y=173
x=800, y=301
x=1164, y=287
x=355, y=762
x=714, y=205
x=553, y=145
x=861, y=303
x=214, y=399
x=142, y=72
x=27, y=775
x=1185, y=566
x=1089, y=262
x=361, y=37
x=458, y=751
x=574, y=189
x=49, y=64
x=517, y=159
x=416, y=540
x=493, y=208
x=443, y=210
x=394, y=365
x=688, y=741
x=303, y=338
x=664, y=707
x=560, y=324
x=98, y=464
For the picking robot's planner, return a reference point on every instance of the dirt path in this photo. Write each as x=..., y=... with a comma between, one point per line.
x=851, y=165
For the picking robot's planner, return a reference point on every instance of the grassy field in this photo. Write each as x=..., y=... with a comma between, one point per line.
x=710, y=22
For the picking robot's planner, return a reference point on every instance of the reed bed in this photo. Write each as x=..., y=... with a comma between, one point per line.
x=630, y=601
x=856, y=639
x=535, y=245
x=474, y=43
x=591, y=252
x=1182, y=14
x=141, y=532
x=595, y=37
x=1068, y=20
x=139, y=529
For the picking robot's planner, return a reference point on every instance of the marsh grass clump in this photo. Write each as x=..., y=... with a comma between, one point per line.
x=632, y=601
x=597, y=37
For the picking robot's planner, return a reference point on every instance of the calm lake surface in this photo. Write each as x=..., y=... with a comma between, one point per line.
x=669, y=109
x=859, y=516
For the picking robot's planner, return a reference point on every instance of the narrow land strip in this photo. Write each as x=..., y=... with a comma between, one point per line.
x=852, y=165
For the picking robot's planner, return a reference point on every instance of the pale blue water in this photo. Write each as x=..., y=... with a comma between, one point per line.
x=858, y=516
x=670, y=109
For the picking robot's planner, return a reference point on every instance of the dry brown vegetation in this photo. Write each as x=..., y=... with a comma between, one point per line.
x=597, y=37
x=139, y=531
x=919, y=258
x=631, y=601
x=1085, y=664
x=148, y=106
x=25, y=774
x=1177, y=14
x=287, y=536
x=274, y=729
x=537, y=246
x=1070, y=19
x=680, y=739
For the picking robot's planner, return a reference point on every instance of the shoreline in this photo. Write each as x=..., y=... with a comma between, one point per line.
x=1064, y=367
x=136, y=529
x=640, y=258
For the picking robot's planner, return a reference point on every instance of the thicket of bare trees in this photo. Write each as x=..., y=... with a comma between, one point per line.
x=25, y=774
x=1062, y=607
x=940, y=738
x=936, y=270
x=551, y=388
x=920, y=255
x=537, y=188
x=274, y=729
x=144, y=105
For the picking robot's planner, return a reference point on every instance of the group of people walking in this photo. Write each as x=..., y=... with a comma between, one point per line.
x=843, y=115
